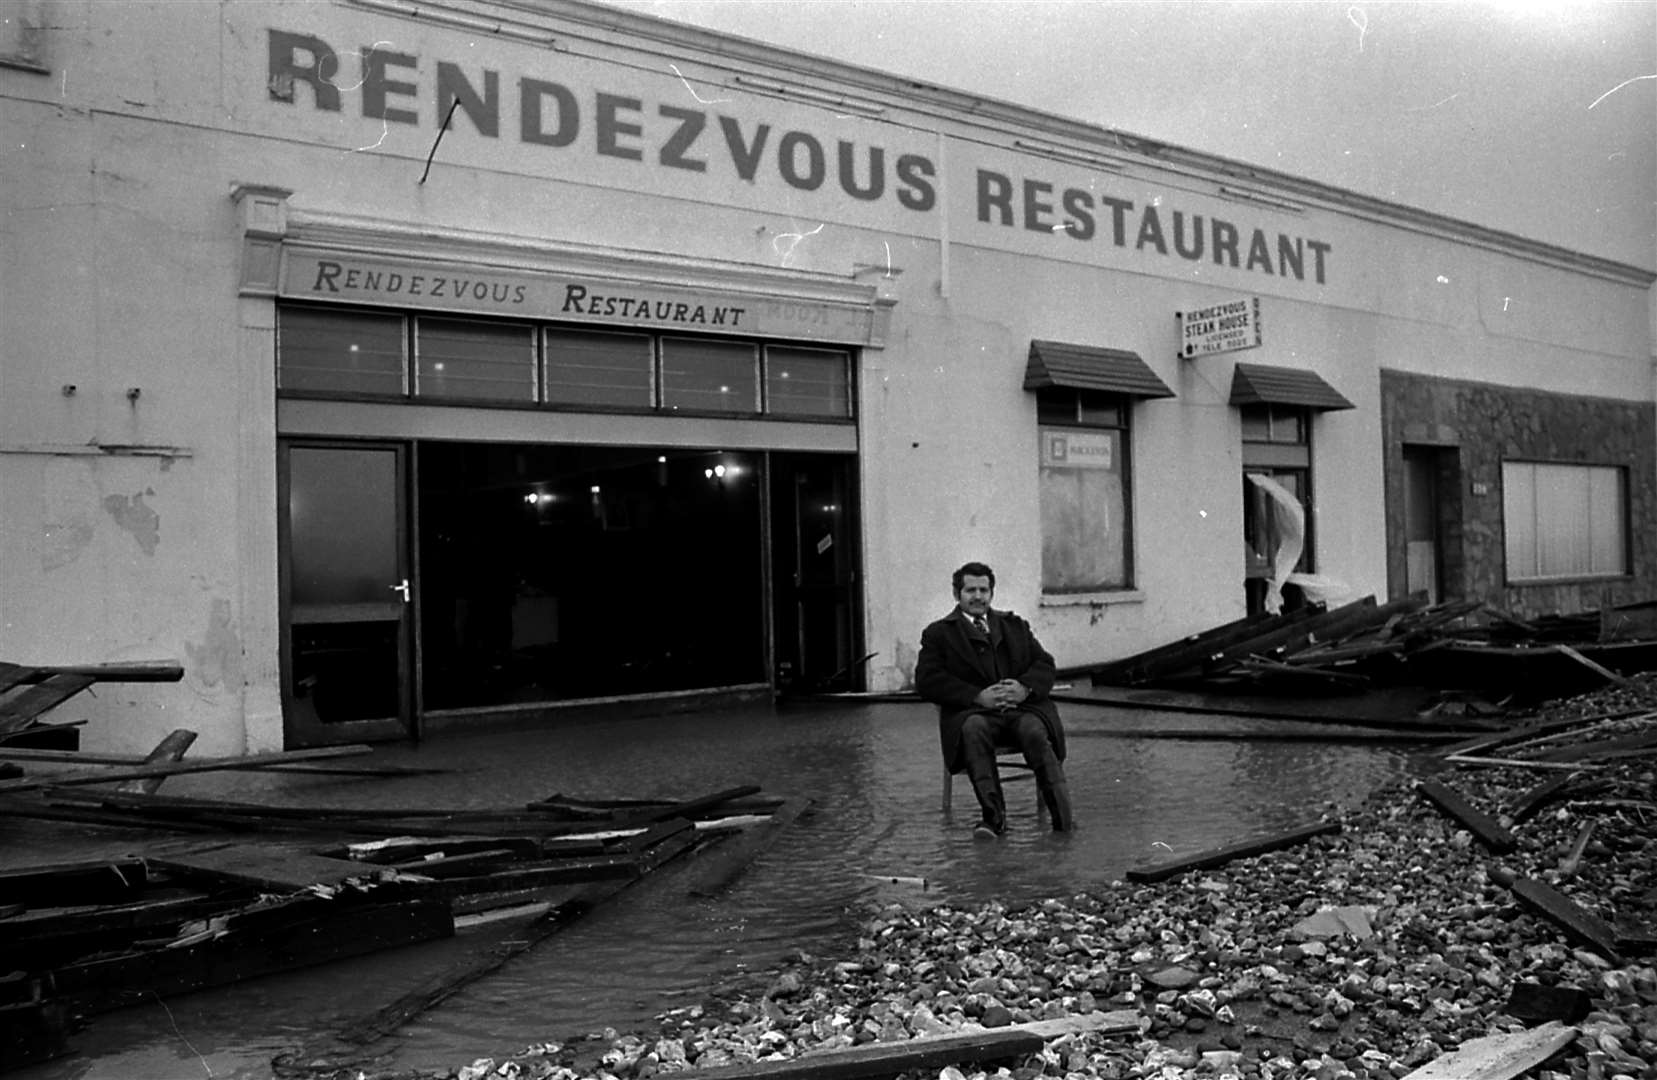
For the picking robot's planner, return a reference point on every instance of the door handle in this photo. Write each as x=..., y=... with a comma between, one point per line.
x=401, y=587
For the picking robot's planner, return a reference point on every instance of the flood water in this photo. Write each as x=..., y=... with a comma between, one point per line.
x=877, y=832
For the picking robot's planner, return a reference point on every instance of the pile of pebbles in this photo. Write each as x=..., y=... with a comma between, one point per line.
x=1360, y=954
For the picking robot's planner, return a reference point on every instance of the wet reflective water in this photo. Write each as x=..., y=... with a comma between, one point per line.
x=877, y=830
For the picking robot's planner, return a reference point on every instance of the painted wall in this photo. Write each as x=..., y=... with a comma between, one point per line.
x=144, y=528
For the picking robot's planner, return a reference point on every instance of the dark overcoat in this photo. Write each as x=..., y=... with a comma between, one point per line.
x=955, y=664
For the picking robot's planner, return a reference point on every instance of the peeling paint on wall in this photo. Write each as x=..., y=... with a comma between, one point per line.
x=217, y=660
x=136, y=518
x=905, y=654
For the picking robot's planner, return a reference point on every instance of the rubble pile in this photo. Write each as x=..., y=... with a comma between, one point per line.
x=1363, y=953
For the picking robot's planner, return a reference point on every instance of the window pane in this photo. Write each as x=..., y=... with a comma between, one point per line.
x=1605, y=519
x=1055, y=405
x=1563, y=520
x=709, y=376
x=586, y=368
x=1100, y=409
x=1083, y=511
x=462, y=358
x=806, y=382
x=339, y=352
x=1257, y=423
x=1519, y=519
x=1288, y=425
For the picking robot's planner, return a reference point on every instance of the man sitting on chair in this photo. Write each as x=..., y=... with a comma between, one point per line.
x=990, y=679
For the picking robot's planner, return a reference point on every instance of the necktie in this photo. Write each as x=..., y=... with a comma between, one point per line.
x=980, y=625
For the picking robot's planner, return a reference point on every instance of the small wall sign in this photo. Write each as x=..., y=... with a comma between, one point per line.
x=1219, y=328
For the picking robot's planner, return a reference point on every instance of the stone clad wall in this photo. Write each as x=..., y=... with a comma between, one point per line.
x=1478, y=425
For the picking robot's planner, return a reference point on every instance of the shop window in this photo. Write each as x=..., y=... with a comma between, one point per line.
x=1564, y=521
x=590, y=368
x=464, y=358
x=340, y=352
x=709, y=376
x=1084, y=490
x=806, y=382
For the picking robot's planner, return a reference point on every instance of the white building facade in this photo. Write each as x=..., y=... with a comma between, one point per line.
x=401, y=367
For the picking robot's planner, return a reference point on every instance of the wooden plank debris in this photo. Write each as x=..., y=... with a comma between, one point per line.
x=1598, y=669
x=32, y=1032
x=1172, y=656
x=1537, y=1004
x=175, y=768
x=1485, y=828
x=171, y=748
x=20, y=705
x=1569, y=865
x=84, y=757
x=718, y=868
x=1513, y=763
x=1579, y=925
x=1534, y=799
x=95, y=881
x=299, y=932
x=1207, y=860
x=929, y=1053
x=266, y=866
x=1502, y=1056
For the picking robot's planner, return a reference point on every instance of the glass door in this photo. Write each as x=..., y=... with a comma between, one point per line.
x=815, y=573
x=346, y=603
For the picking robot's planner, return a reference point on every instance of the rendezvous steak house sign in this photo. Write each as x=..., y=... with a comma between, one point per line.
x=550, y=111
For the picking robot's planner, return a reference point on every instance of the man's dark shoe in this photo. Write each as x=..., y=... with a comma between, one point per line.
x=985, y=830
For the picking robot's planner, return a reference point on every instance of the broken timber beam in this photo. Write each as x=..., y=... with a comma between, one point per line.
x=1579, y=925
x=136, y=772
x=716, y=870
x=1531, y=801
x=1486, y=828
x=1598, y=669
x=1206, y=860
x=140, y=671
x=1502, y=1056
x=171, y=748
x=20, y=705
x=1129, y=668
x=928, y=1054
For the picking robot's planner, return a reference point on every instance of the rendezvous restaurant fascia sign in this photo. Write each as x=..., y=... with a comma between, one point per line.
x=436, y=286
x=575, y=119
x=1220, y=328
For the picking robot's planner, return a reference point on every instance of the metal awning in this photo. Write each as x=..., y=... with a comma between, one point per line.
x=1088, y=367
x=1258, y=384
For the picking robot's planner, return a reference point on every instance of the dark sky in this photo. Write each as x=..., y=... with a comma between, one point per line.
x=1533, y=118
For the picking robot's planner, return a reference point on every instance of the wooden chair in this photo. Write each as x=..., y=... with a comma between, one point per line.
x=1004, y=757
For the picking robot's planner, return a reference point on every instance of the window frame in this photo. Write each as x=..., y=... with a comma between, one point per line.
x=1623, y=531
x=1275, y=457
x=1049, y=417
x=541, y=329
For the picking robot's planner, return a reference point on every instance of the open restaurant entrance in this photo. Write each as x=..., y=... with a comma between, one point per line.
x=557, y=573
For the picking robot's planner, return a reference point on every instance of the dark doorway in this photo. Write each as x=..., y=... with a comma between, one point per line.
x=552, y=573
x=1432, y=557
x=815, y=564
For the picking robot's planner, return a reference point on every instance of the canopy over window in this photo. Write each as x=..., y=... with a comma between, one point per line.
x=1087, y=367
x=1258, y=384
